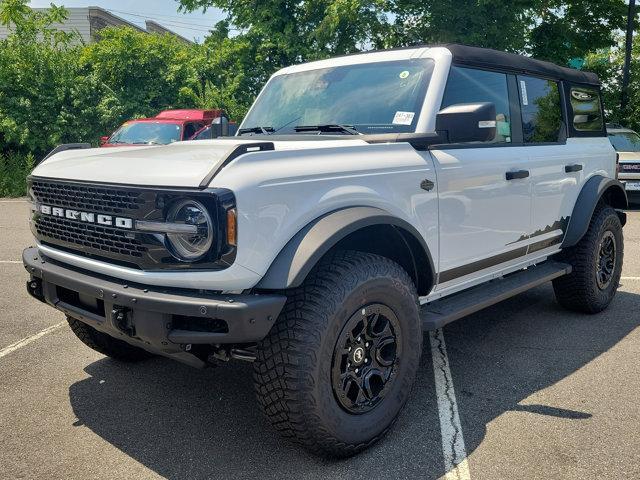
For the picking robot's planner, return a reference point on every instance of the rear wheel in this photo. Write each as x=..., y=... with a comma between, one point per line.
x=597, y=265
x=338, y=365
x=103, y=343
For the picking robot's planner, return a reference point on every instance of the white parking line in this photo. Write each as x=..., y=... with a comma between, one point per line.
x=13, y=201
x=10, y=261
x=629, y=278
x=26, y=341
x=453, y=449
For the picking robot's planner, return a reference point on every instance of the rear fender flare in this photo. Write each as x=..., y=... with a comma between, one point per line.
x=594, y=190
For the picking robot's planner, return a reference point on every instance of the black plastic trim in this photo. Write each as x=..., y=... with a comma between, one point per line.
x=232, y=155
x=591, y=193
x=419, y=141
x=448, y=309
x=249, y=317
x=489, y=262
x=66, y=146
x=302, y=252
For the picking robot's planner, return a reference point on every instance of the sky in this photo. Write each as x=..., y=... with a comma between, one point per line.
x=193, y=26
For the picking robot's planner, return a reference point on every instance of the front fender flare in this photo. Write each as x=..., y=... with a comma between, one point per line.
x=294, y=262
x=592, y=192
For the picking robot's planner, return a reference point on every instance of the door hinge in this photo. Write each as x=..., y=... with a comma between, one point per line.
x=427, y=185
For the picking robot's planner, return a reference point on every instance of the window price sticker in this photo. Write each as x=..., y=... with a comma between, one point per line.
x=523, y=92
x=403, y=118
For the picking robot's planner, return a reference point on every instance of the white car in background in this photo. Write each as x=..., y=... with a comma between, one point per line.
x=627, y=144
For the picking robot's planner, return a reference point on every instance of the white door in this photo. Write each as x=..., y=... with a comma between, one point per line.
x=484, y=190
x=484, y=218
x=559, y=165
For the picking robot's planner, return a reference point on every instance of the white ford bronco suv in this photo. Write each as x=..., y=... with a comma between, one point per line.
x=364, y=200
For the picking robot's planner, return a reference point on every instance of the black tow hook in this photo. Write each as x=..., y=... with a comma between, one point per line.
x=121, y=317
x=34, y=287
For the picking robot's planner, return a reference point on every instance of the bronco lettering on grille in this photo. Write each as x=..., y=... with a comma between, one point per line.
x=87, y=217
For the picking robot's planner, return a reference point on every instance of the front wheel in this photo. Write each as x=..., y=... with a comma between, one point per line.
x=338, y=365
x=597, y=265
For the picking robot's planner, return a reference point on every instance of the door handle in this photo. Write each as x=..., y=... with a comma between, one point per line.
x=573, y=168
x=517, y=174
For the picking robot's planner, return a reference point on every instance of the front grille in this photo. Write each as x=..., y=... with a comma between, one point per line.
x=88, y=197
x=630, y=167
x=125, y=246
x=97, y=237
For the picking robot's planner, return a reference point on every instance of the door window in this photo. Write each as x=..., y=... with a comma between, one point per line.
x=190, y=129
x=541, y=112
x=468, y=85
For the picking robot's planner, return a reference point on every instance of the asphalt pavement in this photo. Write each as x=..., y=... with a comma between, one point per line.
x=540, y=392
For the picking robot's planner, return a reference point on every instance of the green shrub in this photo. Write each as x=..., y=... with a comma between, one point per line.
x=14, y=169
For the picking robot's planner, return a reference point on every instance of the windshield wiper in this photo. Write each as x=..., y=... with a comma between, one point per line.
x=332, y=127
x=263, y=130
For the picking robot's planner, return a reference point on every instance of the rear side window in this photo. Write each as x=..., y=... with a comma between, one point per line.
x=541, y=112
x=586, y=109
x=468, y=85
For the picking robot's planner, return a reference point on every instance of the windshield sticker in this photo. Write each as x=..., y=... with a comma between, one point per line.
x=523, y=92
x=404, y=74
x=403, y=118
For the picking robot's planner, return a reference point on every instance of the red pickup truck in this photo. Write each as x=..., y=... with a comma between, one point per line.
x=167, y=127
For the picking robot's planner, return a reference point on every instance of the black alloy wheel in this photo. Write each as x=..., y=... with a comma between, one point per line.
x=605, y=265
x=365, y=358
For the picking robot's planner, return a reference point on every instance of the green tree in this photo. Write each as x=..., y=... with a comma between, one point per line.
x=499, y=24
x=38, y=76
x=555, y=30
x=295, y=31
x=141, y=73
x=608, y=63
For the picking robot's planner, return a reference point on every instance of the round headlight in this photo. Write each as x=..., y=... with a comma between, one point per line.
x=194, y=245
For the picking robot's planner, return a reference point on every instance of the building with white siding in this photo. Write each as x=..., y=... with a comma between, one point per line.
x=88, y=21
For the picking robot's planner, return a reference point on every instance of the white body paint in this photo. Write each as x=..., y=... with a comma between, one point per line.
x=472, y=214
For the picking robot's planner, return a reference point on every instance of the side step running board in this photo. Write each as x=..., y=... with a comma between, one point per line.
x=440, y=312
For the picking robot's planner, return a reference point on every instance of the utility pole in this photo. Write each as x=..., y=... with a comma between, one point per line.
x=627, y=56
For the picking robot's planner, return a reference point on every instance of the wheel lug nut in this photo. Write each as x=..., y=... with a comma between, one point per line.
x=359, y=339
x=366, y=360
x=356, y=370
x=349, y=349
x=366, y=344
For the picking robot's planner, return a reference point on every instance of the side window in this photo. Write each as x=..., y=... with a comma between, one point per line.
x=205, y=134
x=586, y=110
x=468, y=85
x=541, y=112
x=190, y=129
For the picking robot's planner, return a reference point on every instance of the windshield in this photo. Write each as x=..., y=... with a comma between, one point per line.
x=383, y=97
x=625, y=141
x=139, y=133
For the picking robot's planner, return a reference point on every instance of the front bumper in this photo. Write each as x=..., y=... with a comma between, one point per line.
x=632, y=193
x=164, y=321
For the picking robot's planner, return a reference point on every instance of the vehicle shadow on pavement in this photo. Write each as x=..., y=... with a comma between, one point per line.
x=181, y=422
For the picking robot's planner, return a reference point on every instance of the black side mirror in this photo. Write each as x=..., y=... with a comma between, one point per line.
x=467, y=122
x=216, y=130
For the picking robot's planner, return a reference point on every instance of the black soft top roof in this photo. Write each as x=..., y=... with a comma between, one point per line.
x=486, y=57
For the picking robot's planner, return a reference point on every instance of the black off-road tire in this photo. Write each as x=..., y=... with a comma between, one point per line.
x=579, y=291
x=106, y=345
x=294, y=364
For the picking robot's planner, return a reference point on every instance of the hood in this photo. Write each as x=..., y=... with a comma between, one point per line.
x=181, y=164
